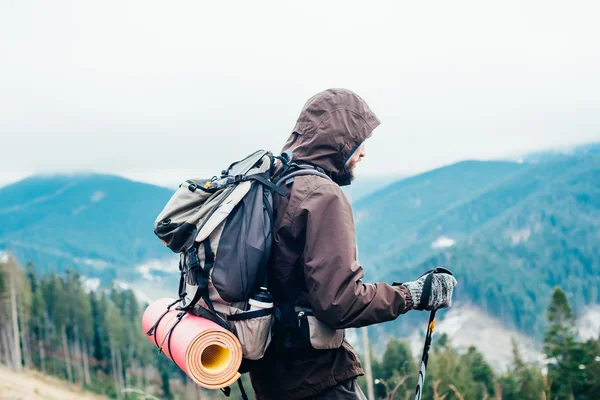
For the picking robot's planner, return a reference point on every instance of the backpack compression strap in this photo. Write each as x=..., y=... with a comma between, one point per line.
x=262, y=178
x=266, y=183
x=202, y=276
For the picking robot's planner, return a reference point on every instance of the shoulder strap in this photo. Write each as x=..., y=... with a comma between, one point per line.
x=300, y=172
x=287, y=314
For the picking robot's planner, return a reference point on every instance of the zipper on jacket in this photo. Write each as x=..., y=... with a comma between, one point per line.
x=300, y=316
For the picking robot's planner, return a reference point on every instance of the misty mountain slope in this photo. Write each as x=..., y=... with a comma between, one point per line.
x=99, y=221
x=403, y=219
x=562, y=153
x=510, y=231
x=512, y=243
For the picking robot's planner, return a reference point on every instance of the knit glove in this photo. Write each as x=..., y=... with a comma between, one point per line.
x=433, y=289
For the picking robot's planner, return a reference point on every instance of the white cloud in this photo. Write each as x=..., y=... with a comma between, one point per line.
x=169, y=265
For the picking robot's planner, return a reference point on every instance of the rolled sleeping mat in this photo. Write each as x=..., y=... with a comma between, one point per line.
x=209, y=354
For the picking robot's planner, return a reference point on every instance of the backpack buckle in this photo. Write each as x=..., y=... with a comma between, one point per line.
x=193, y=260
x=238, y=178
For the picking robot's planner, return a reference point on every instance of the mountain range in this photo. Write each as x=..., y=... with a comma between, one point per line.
x=509, y=230
x=100, y=225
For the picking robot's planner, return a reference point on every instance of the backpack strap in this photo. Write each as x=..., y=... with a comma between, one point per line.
x=242, y=391
x=181, y=291
x=304, y=170
x=194, y=268
x=280, y=191
x=285, y=312
x=202, y=276
x=153, y=328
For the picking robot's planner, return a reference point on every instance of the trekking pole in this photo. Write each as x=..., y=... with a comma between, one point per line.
x=430, y=327
x=425, y=358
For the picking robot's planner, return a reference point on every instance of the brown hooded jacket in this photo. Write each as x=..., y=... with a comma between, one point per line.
x=314, y=250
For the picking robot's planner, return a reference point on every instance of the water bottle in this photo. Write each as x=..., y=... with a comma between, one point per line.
x=261, y=300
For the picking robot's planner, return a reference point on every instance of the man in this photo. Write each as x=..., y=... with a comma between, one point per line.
x=313, y=262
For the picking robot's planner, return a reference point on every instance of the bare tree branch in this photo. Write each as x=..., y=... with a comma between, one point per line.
x=456, y=392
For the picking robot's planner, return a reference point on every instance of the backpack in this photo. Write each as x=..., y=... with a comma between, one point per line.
x=222, y=229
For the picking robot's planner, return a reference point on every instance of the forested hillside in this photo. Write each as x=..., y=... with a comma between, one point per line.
x=510, y=232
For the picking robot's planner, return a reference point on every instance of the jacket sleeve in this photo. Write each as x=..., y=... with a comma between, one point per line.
x=333, y=276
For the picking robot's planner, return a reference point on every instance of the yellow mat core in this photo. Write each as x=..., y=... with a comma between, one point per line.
x=215, y=357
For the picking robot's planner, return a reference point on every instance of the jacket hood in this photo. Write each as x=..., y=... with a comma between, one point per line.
x=330, y=128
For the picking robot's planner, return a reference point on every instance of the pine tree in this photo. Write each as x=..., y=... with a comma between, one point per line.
x=101, y=342
x=5, y=348
x=560, y=346
x=115, y=325
x=80, y=324
x=528, y=379
x=13, y=281
x=481, y=371
x=38, y=318
x=56, y=299
x=395, y=373
x=590, y=384
x=24, y=300
x=397, y=362
x=445, y=369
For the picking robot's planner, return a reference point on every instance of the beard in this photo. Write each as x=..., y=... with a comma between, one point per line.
x=350, y=168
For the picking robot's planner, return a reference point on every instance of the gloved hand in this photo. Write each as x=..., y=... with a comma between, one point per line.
x=433, y=289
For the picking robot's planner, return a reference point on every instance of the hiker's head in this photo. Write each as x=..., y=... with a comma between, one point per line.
x=330, y=132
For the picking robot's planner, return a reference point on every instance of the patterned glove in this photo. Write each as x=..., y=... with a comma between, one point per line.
x=439, y=295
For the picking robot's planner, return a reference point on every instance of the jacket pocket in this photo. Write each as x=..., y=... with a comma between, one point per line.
x=317, y=334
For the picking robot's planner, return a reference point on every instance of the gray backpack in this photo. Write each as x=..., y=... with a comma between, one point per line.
x=222, y=229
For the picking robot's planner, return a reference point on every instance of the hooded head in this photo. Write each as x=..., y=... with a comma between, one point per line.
x=331, y=126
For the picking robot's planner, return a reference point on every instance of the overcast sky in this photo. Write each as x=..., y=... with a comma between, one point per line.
x=163, y=91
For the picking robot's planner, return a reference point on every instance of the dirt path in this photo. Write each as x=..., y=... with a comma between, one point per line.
x=31, y=385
